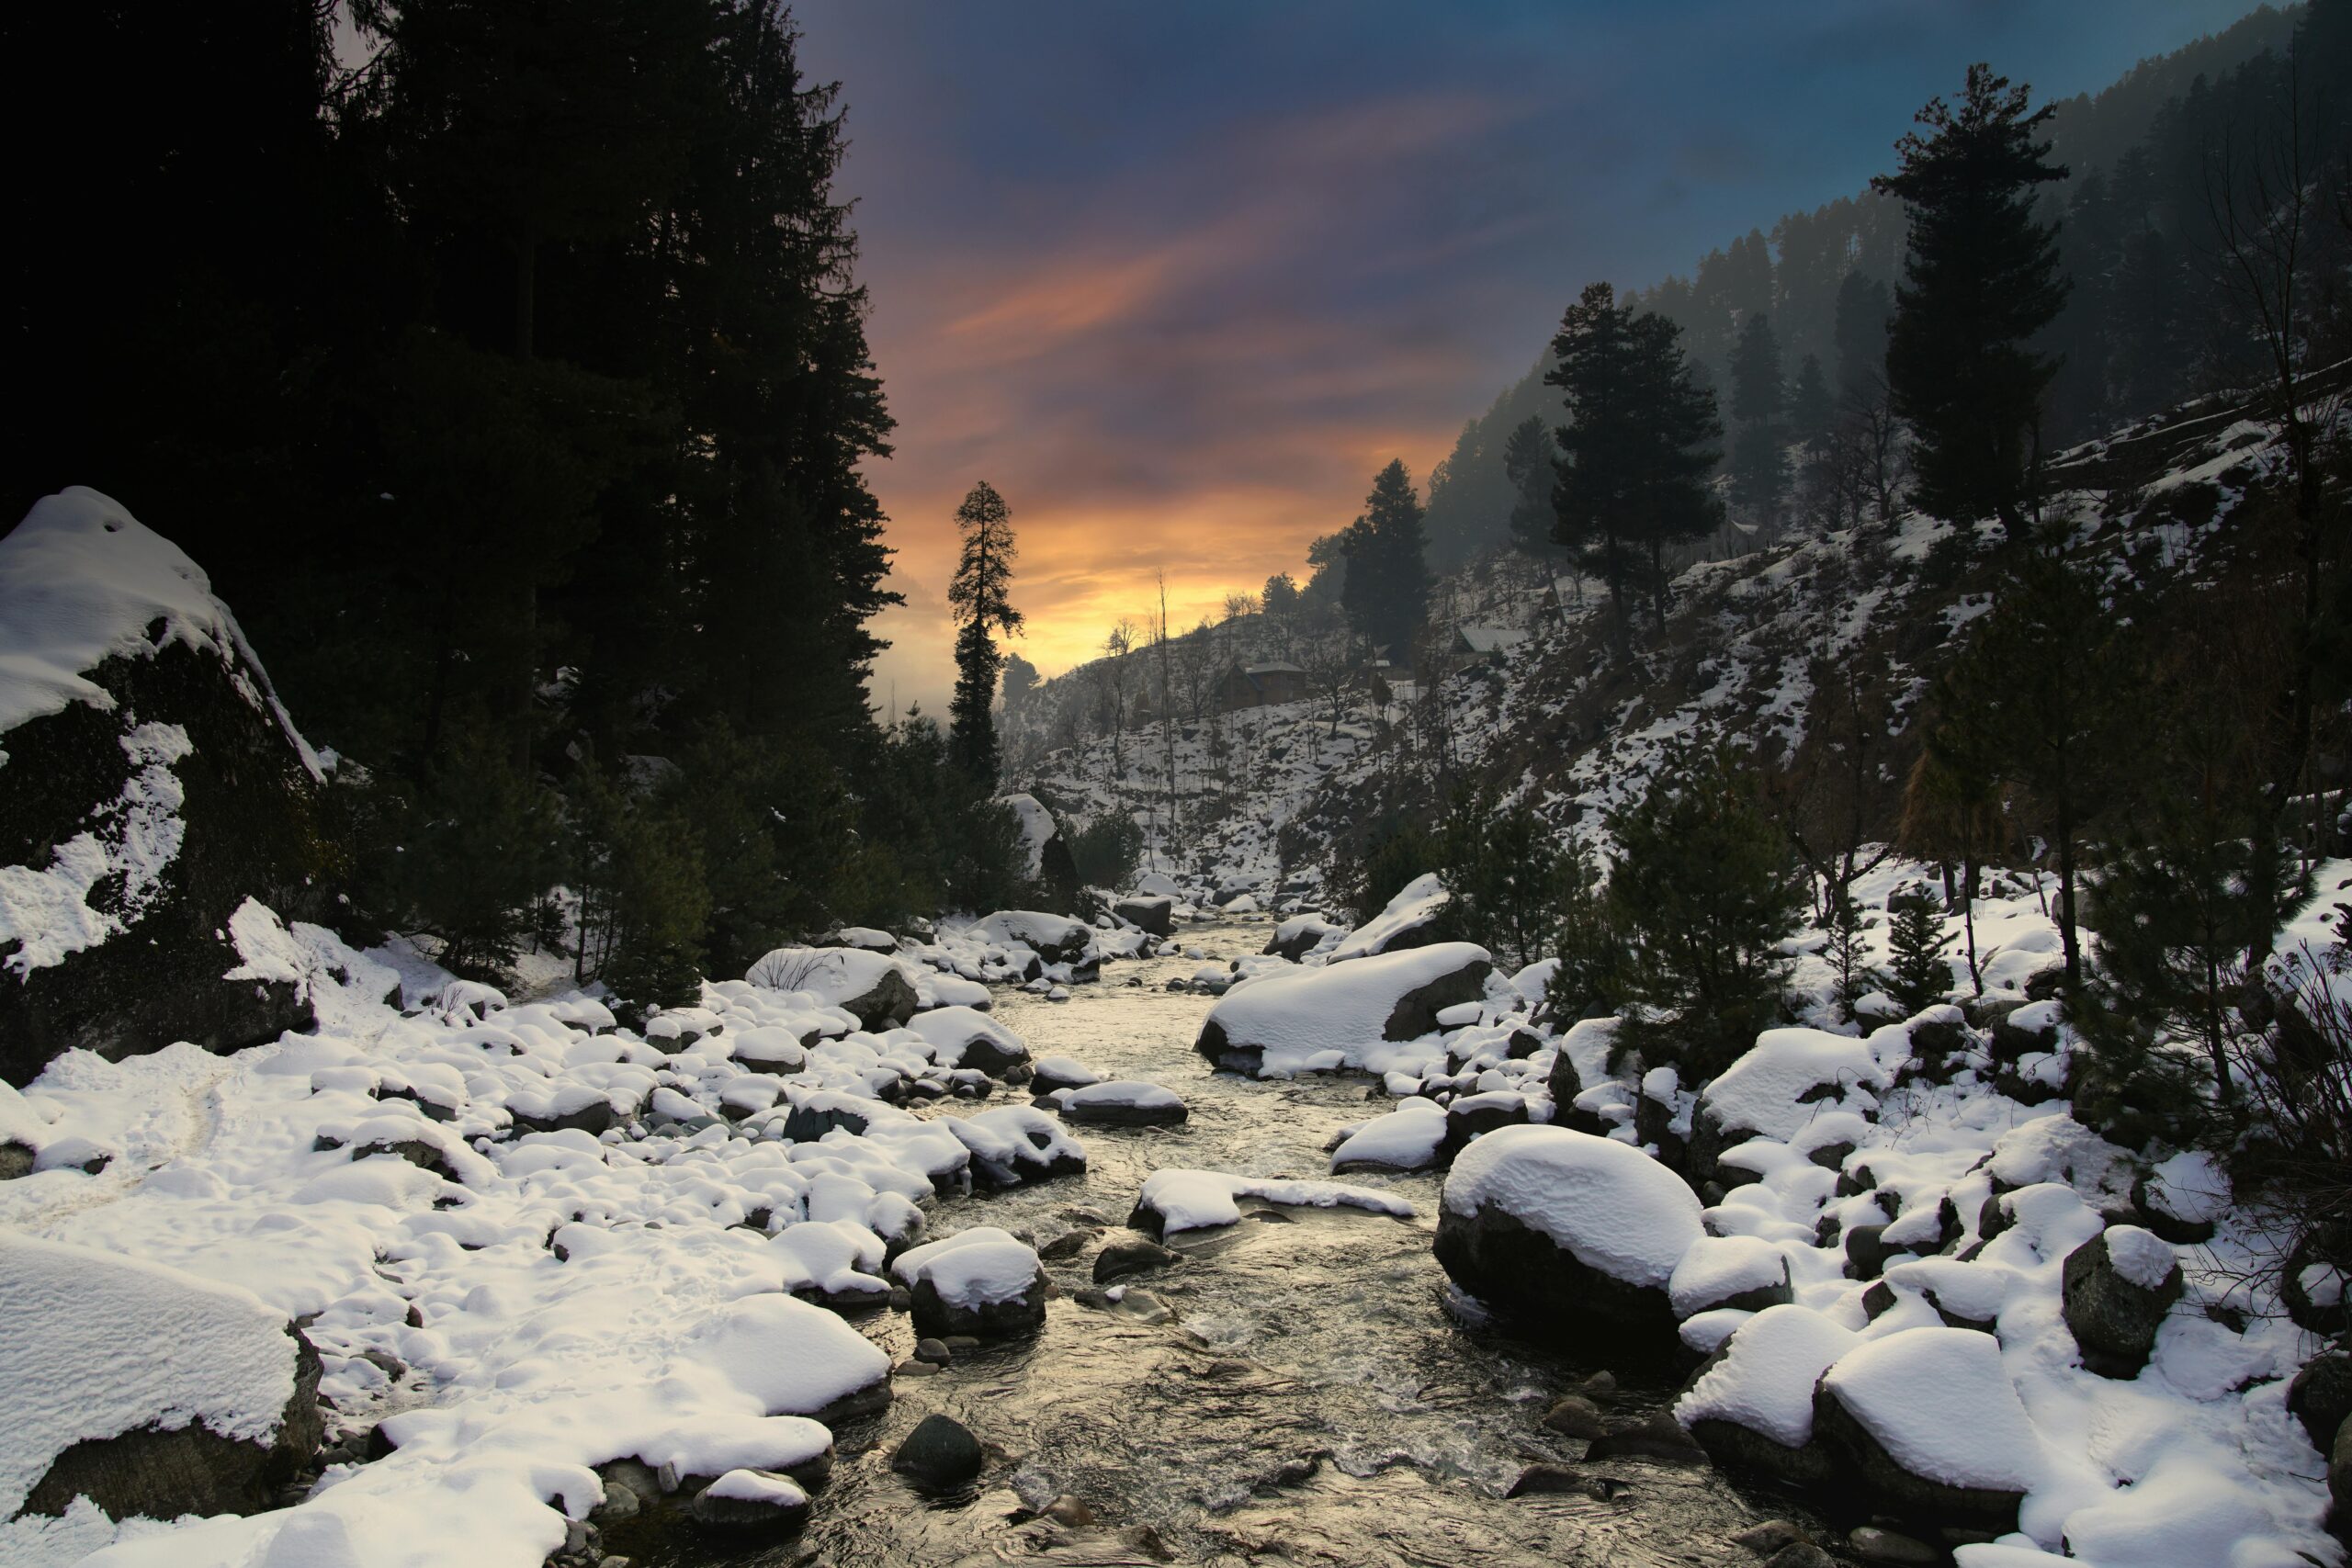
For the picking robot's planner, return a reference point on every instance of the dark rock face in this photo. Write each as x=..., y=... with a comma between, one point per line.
x=1225, y=1056
x=163, y=1474
x=889, y=1005
x=1895, y=1488
x=1735, y=1448
x=940, y=1453
x=1156, y=915
x=937, y=1318
x=2112, y=1318
x=2320, y=1396
x=1416, y=1011
x=1526, y=1275
x=249, y=807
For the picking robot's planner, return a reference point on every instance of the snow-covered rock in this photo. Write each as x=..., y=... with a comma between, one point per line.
x=1175, y=1200
x=1789, y=1081
x=1751, y=1405
x=1056, y=939
x=1155, y=913
x=1351, y=1015
x=2118, y=1287
x=1302, y=936
x=1415, y=918
x=146, y=1390
x=965, y=1037
x=1931, y=1425
x=980, y=1281
x=1406, y=1138
x=153, y=798
x=1122, y=1103
x=873, y=987
x=1566, y=1229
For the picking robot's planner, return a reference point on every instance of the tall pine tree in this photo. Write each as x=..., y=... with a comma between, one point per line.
x=1759, y=466
x=1386, y=592
x=979, y=596
x=1980, y=282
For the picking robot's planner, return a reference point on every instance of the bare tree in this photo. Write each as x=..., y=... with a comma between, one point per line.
x=1328, y=656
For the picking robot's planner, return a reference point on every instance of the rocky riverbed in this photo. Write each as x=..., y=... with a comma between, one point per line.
x=1302, y=1387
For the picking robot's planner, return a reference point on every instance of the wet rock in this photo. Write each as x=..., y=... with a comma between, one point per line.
x=934, y=1350
x=1658, y=1437
x=752, y=1500
x=940, y=1453
x=1542, y=1480
x=1069, y=1244
x=1872, y=1544
x=1770, y=1536
x=1574, y=1416
x=620, y=1503
x=2320, y=1396
x=1069, y=1511
x=1800, y=1554
x=1145, y=1308
x=916, y=1369
x=1123, y=1105
x=1153, y=914
x=2118, y=1285
x=1132, y=1255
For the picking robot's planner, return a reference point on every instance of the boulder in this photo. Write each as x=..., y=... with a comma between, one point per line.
x=940, y=1453
x=1927, y=1422
x=155, y=802
x=753, y=1500
x=967, y=1037
x=2320, y=1396
x=981, y=1281
x=1052, y=1073
x=1410, y=1138
x=1132, y=1255
x=2118, y=1285
x=1056, y=939
x=1472, y=1116
x=1750, y=1404
x=1301, y=934
x=1122, y=1104
x=1416, y=917
x=1155, y=914
x=1568, y=1231
x=873, y=987
x=1786, y=1080
x=1289, y=1021
x=216, y=1410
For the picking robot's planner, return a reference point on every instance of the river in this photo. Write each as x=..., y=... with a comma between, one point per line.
x=1312, y=1400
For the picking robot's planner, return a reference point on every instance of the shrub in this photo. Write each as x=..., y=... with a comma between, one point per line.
x=1106, y=851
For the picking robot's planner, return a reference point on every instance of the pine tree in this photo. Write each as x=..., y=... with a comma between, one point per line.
x=1981, y=281
x=1919, y=976
x=1811, y=409
x=1864, y=309
x=1702, y=893
x=979, y=594
x=1386, y=592
x=1848, y=950
x=1632, y=475
x=1533, y=473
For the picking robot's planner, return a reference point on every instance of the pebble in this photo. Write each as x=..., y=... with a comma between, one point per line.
x=915, y=1370
x=1070, y=1510
x=1768, y=1537
x=1574, y=1416
x=934, y=1350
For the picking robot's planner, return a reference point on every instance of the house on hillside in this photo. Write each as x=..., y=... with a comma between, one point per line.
x=1260, y=685
x=1488, y=643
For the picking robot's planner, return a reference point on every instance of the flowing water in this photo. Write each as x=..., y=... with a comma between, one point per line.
x=1312, y=1400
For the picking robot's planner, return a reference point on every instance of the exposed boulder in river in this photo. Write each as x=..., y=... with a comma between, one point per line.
x=155, y=802
x=981, y=1281
x=1336, y=1017
x=1928, y=1422
x=1155, y=913
x=1570, y=1232
x=871, y=986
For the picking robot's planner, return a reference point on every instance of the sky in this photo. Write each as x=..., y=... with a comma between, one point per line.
x=1178, y=279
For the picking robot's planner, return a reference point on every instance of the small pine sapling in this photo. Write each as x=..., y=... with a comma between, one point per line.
x=1920, y=976
x=1847, y=954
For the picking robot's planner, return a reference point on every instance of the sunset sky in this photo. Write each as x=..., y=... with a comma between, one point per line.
x=1178, y=279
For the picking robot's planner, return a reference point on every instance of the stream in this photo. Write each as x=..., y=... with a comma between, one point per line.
x=1313, y=1399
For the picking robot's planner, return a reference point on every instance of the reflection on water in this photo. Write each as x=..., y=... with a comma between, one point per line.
x=1310, y=1401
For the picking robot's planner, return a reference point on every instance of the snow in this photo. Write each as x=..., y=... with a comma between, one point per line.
x=1035, y=928
x=1759, y=1092
x=1204, y=1200
x=1418, y=902
x=46, y=914
x=2190, y=1186
x=1715, y=1269
x=1157, y=884
x=1036, y=828
x=1940, y=1403
x=736, y=1442
x=1765, y=1381
x=950, y=1031
x=1122, y=1092
x=2142, y=1256
x=97, y=1346
x=975, y=1268
x=1066, y=1070
x=829, y=977
x=750, y=1487
x=1405, y=1139
x=1613, y=1207
x=1295, y=1015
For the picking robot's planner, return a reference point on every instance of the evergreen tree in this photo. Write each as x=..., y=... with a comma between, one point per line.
x=1981, y=281
x=1848, y=950
x=980, y=595
x=1701, y=894
x=1865, y=309
x=1386, y=592
x=1919, y=976
x=1632, y=476
x=1529, y=464
x=1811, y=409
